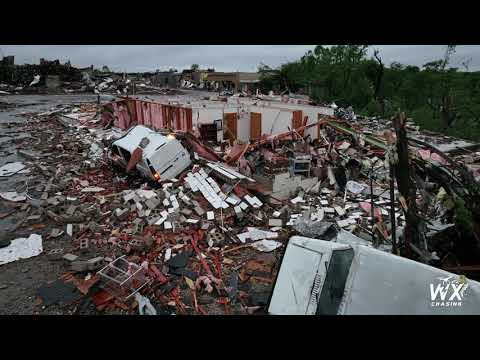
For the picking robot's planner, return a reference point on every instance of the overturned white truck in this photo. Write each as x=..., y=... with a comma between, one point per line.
x=160, y=157
x=320, y=277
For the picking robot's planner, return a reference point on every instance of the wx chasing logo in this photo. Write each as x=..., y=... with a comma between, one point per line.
x=449, y=292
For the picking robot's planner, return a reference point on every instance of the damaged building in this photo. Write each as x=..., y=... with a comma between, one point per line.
x=170, y=79
x=234, y=81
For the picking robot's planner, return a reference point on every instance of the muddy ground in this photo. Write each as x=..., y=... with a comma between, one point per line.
x=19, y=280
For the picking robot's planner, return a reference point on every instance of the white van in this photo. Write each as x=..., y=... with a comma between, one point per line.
x=320, y=277
x=163, y=157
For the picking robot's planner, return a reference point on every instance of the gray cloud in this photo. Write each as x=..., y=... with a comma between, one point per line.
x=220, y=57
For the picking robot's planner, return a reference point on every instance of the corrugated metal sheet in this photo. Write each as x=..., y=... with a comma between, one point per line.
x=130, y=112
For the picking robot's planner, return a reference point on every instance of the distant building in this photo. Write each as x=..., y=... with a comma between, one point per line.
x=170, y=79
x=196, y=76
x=45, y=62
x=234, y=81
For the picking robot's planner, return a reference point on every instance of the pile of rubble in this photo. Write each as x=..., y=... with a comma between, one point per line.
x=208, y=241
x=183, y=238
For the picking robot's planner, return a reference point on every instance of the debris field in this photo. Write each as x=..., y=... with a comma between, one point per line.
x=120, y=239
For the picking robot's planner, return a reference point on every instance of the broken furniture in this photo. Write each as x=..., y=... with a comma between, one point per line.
x=301, y=165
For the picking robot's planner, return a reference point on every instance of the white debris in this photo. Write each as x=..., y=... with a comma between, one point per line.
x=36, y=80
x=13, y=196
x=70, y=230
x=320, y=214
x=243, y=206
x=145, y=307
x=210, y=215
x=344, y=146
x=253, y=200
x=232, y=200
x=147, y=194
x=256, y=234
x=129, y=195
x=266, y=245
x=355, y=187
x=297, y=200
x=346, y=222
x=96, y=151
x=160, y=221
x=331, y=176
x=11, y=168
x=243, y=237
x=93, y=189
x=274, y=222
x=21, y=248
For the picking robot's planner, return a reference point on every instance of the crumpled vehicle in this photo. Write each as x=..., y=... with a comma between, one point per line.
x=320, y=277
x=154, y=155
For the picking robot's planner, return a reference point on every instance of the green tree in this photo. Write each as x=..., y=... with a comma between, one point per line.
x=437, y=96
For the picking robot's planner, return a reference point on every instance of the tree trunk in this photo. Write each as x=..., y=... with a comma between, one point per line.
x=406, y=187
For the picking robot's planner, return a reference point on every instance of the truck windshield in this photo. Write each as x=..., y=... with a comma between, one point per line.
x=334, y=285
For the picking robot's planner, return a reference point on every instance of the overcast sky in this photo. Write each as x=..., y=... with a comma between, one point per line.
x=140, y=58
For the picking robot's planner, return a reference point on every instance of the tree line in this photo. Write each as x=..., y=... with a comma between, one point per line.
x=436, y=96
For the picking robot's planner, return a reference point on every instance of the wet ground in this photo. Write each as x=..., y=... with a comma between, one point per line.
x=19, y=280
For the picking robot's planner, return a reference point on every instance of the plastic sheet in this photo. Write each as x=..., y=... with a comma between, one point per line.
x=21, y=248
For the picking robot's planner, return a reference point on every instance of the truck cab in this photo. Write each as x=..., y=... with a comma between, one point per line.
x=318, y=277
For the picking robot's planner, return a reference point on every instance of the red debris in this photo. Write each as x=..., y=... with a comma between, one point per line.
x=101, y=298
x=158, y=274
x=225, y=301
x=195, y=237
x=134, y=159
